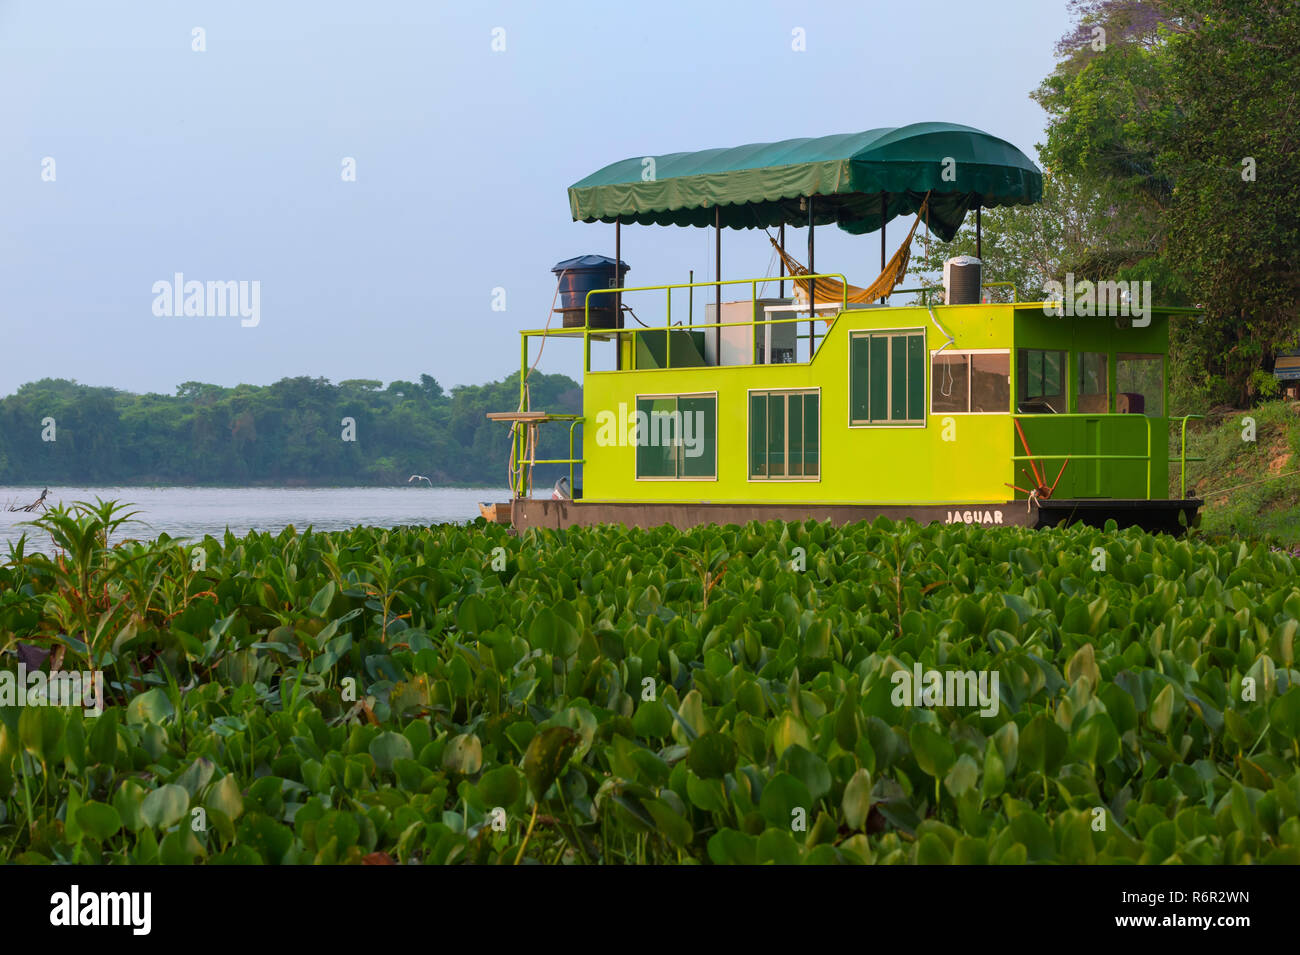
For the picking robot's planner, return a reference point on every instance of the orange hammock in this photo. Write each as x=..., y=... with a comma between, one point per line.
x=829, y=291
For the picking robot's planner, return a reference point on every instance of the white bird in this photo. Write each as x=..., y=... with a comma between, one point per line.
x=419, y=477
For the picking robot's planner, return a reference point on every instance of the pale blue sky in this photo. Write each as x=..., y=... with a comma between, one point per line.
x=225, y=164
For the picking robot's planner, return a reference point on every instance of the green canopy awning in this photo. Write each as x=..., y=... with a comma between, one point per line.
x=760, y=185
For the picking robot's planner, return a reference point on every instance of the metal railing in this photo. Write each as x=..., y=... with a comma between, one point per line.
x=925, y=291
x=1182, y=458
x=524, y=478
x=668, y=326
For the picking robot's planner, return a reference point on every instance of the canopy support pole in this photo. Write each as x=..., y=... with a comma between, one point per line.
x=618, y=296
x=812, y=284
x=884, y=208
x=717, y=289
x=979, y=249
x=780, y=240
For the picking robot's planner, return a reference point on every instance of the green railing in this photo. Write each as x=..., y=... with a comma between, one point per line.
x=521, y=446
x=1087, y=457
x=668, y=327
x=1183, y=458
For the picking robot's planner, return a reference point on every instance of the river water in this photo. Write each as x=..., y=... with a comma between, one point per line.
x=191, y=512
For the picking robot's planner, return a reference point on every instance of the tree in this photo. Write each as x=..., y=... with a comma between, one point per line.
x=1160, y=119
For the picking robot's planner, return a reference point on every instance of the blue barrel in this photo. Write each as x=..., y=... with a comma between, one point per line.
x=580, y=275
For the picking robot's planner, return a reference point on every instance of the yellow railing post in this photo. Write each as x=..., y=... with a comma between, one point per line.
x=572, y=486
x=523, y=406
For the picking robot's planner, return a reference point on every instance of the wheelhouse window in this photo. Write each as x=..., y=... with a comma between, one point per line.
x=1139, y=384
x=1040, y=381
x=677, y=437
x=784, y=435
x=887, y=378
x=1094, y=387
x=970, y=383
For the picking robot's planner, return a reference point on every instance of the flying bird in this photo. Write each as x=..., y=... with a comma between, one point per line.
x=419, y=477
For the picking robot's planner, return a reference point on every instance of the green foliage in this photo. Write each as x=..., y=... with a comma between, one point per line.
x=1251, y=488
x=290, y=431
x=1184, y=125
x=385, y=695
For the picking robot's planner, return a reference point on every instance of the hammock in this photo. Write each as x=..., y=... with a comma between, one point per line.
x=829, y=291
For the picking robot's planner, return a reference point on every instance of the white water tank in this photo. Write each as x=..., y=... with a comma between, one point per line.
x=961, y=280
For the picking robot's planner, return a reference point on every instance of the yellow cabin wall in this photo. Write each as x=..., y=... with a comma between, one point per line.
x=878, y=464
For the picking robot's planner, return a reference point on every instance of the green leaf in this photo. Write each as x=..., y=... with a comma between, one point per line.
x=995, y=774
x=102, y=739
x=730, y=847
x=1043, y=745
x=501, y=786
x=100, y=820
x=930, y=850
x=1285, y=713
x=165, y=806
x=546, y=757
x=1083, y=664
x=712, y=755
x=934, y=754
x=962, y=776
x=320, y=604
x=781, y=796
x=475, y=615
x=463, y=755
x=787, y=731
x=225, y=797
x=388, y=747
x=41, y=730
x=706, y=794
x=807, y=767
x=151, y=706
x=857, y=799
x=652, y=720
x=1162, y=708
x=674, y=828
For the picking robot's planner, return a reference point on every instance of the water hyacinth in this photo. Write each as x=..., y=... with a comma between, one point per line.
x=722, y=695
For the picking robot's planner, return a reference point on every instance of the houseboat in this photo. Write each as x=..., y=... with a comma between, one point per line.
x=802, y=396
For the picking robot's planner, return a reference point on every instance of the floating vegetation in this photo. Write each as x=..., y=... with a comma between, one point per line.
x=789, y=693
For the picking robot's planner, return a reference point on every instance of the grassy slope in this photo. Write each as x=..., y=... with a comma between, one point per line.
x=1251, y=489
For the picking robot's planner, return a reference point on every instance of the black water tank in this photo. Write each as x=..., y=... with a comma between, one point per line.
x=580, y=275
x=961, y=280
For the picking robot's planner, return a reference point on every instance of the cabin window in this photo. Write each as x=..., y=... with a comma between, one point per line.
x=970, y=383
x=677, y=437
x=1040, y=381
x=1139, y=384
x=1094, y=388
x=784, y=435
x=887, y=378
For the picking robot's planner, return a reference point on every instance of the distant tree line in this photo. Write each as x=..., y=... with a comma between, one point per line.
x=56, y=431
